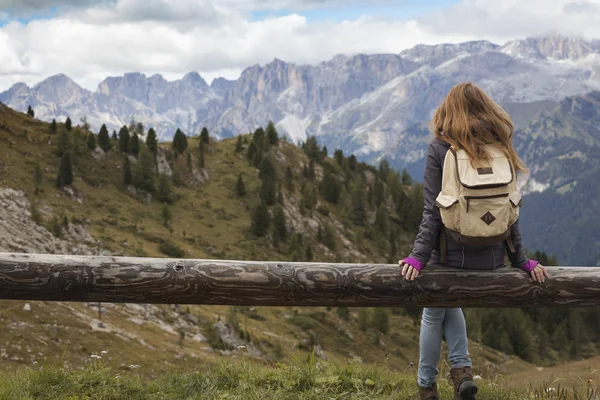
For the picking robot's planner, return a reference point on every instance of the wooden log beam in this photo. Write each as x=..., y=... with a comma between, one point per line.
x=171, y=281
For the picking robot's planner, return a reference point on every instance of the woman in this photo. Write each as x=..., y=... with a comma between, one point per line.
x=469, y=120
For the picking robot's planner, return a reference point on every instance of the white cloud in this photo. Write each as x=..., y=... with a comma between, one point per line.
x=219, y=37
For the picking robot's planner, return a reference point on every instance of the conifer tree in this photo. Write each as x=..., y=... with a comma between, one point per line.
x=124, y=138
x=268, y=192
x=272, y=135
x=330, y=187
x=64, y=143
x=279, y=225
x=30, y=112
x=68, y=124
x=379, y=193
x=53, y=127
x=180, y=143
x=239, y=147
x=328, y=237
x=406, y=178
x=143, y=178
x=259, y=139
x=268, y=168
x=164, y=190
x=240, y=187
x=310, y=174
x=258, y=157
x=104, y=139
x=204, y=137
x=151, y=141
x=251, y=152
x=352, y=162
x=324, y=153
x=127, y=175
x=339, y=157
x=91, y=141
x=114, y=135
x=358, y=214
x=311, y=148
x=134, y=144
x=384, y=169
x=382, y=220
x=260, y=220
x=65, y=171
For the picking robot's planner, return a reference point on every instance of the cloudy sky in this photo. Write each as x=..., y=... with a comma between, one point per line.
x=91, y=39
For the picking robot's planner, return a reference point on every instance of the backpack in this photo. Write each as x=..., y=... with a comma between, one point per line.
x=478, y=205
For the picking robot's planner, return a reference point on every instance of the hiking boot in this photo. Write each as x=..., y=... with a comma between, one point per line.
x=429, y=393
x=464, y=386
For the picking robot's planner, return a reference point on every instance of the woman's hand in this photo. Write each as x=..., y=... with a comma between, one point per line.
x=408, y=272
x=539, y=273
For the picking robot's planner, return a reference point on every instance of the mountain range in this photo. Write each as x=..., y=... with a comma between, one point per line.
x=376, y=106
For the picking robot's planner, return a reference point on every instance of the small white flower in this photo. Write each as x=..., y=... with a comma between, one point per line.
x=241, y=347
x=104, y=352
x=476, y=377
x=550, y=390
x=96, y=356
x=134, y=366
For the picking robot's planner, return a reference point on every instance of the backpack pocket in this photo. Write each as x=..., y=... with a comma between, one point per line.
x=487, y=215
x=515, y=201
x=449, y=210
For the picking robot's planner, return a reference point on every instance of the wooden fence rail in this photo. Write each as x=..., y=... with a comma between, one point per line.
x=171, y=281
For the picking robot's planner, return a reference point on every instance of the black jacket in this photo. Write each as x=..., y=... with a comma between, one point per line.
x=427, y=243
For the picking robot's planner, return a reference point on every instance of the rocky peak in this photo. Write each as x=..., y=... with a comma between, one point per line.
x=556, y=47
x=436, y=54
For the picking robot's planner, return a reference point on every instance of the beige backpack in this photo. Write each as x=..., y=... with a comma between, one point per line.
x=478, y=205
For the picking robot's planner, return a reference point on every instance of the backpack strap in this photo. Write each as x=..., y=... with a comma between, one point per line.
x=443, y=245
x=510, y=244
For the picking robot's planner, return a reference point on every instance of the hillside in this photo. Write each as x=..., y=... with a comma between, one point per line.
x=335, y=209
x=562, y=148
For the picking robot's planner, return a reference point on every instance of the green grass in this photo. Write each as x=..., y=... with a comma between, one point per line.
x=304, y=379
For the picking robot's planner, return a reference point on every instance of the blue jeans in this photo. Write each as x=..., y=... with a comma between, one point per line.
x=452, y=321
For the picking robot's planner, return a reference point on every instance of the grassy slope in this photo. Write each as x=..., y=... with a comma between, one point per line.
x=216, y=225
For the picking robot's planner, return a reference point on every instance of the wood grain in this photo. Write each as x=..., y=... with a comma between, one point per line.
x=171, y=281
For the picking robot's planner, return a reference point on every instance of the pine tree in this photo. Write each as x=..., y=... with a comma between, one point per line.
x=272, y=135
x=279, y=225
x=68, y=124
x=258, y=157
x=251, y=152
x=328, y=237
x=406, y=178
x=164, y=190
x=339, y=157
x=91, y=141
x=259, y=139
x=127, y=176
x=124, y=138
x=239, y=147
x=180, y=143
x=204, y=137
x=260, y=220
x=30, y=112
x=134, y=144
x=330, y=187
x=151, y=141
x=382, y=220
x=143, y=178
x=104, y=139
x=114, y=135
x=268, y=168
x=240, y=187
x=310, y=173
x=309, y=253
x=358, y=207
x=324, y=153
x=384, y=170
x=289, y=179
x=201, y=163
x=65, y=171
x=352, y=162
x=268, y=192
x=379, y=193
x=53, y=127
x=64, y=143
